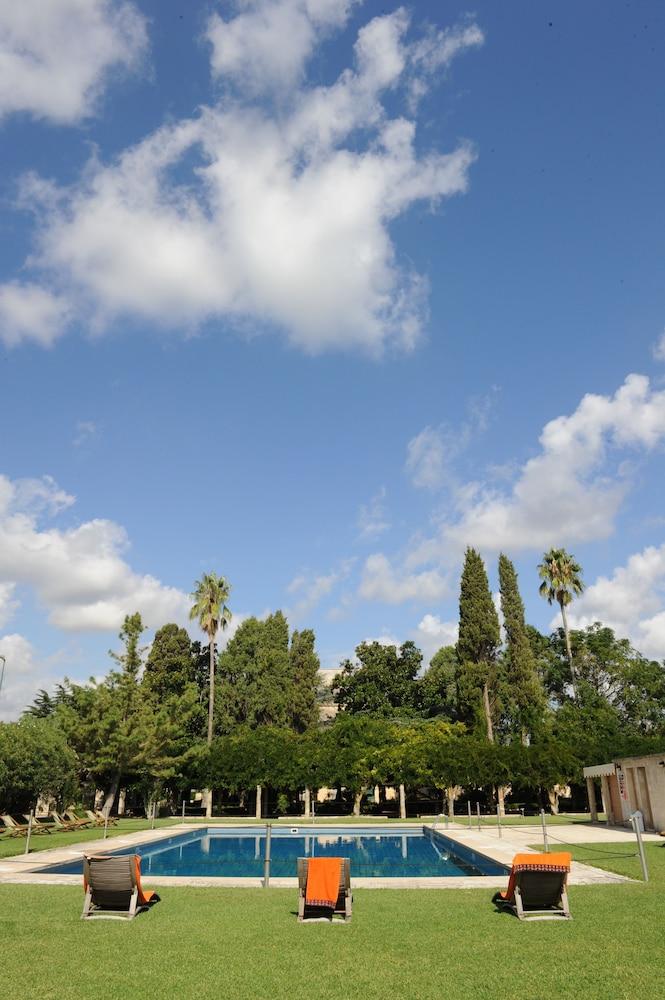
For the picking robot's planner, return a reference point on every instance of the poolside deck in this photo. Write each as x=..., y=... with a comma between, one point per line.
x=25, y=869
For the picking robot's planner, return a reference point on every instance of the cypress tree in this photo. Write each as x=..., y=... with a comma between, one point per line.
x=304, y=677
x=478, y=644
x=525, y=700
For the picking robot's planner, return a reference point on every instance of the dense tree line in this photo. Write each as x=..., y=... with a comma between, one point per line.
x=505, y=708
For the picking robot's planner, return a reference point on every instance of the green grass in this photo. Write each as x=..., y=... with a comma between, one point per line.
x=416, y=945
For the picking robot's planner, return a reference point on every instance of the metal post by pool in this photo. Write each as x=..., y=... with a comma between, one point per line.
x=478, y=813
x=635, y=822
x=546, y=846
x=498, y=819
x=469, y=806
x=27, y=839
x=266, y=860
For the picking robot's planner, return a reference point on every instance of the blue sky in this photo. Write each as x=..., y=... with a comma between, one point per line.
x=314, y=293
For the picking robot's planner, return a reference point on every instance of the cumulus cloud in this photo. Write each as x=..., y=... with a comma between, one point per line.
x=78, y=574
x=30, y=312
x=432, y=633
x=431, y=454
x=280, y=218
x=382, y=582
x=631, y=601
x=570, y=491
x=268, y=43
x=310, y=589
x=372, y=517
x=56, y=57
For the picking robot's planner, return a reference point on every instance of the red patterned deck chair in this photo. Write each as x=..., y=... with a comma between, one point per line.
x=537, y=887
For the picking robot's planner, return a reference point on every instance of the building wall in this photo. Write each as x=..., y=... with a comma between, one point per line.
x=644, y=788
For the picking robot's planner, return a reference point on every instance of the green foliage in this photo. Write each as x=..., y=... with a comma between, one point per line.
x=35, y=760
x=384, y=682
x=561, y=577
x=210, y=610
x=477, y=646
x=522, y=696
x=437, y=688
x=304, y=668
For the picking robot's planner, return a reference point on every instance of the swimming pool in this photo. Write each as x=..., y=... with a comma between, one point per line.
x=385, y=852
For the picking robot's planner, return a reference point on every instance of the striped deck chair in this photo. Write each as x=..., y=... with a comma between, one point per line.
x=537, y=887
x=113, y=887
x=310, y=908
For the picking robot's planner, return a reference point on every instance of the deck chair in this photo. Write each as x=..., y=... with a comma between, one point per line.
x=71, y=817
x=99, y=819
x=13, y=828
x=342, y=906
x=113, y=887
x=66, y=825
x=537, y=887
x=40, y=824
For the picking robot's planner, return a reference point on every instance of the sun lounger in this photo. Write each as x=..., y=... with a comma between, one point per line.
x=66, y=825
x=113, y=887
x=99, y=819
x=71, y=817
x=324, y=889
x=40, y=824
x=537, y=887
x=13, y=828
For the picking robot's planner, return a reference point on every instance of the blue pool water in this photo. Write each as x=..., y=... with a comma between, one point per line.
x=386, y=852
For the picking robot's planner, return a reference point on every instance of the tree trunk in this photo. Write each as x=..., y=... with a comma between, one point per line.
x=451, y=795
x=568, y=648
x=402, y=802
x=207, y=801
x=308, y=802
x=357, y=799
x=553, y=796
x=258, y=801
x=501, y=799
x=488, y=713
x=121, y=801
x=211, y=695
x=111, y=794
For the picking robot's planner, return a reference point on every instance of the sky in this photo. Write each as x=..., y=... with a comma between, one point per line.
x=314, y=294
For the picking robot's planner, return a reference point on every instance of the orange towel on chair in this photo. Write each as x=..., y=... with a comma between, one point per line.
x=323, y=881
x=557, y=862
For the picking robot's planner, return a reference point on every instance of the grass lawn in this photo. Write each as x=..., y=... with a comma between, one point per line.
x=417, y=945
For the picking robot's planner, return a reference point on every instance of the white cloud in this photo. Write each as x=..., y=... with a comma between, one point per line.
x=8, y=604
x=372, y=518
x=86, y=430
x=30, y=312
x=631, y=601
x=78, y=574
x=658, y=349
x=56, y=55
x=25, y=673
x=309, y=590
x=571, y=491
x=431, y=454
x=381, y=582
x=268, y=43
x=431, y=634
x=276, y=221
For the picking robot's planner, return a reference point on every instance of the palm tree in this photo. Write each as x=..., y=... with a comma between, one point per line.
x=561, y=582
x=210, y=609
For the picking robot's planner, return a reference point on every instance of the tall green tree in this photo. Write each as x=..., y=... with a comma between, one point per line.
x=210, y=610
x=561, y=582
x=304, y=664
x=524, y=700
x=437, y=688
x=478, y=644
x=35, y=759
x=382, y=683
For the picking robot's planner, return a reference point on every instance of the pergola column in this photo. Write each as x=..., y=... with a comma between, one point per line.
x=591, y=794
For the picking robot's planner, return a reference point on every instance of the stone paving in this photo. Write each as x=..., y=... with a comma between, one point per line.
x=25, y=869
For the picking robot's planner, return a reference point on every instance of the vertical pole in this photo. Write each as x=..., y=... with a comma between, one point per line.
x=546, y=846
x=469, y=805
x=266, y=860
x=152, y=815
x=106, y=824
x=478, y=813
x=27, y=838
x=498, y=819
x=640, y=846
x=183, y=809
